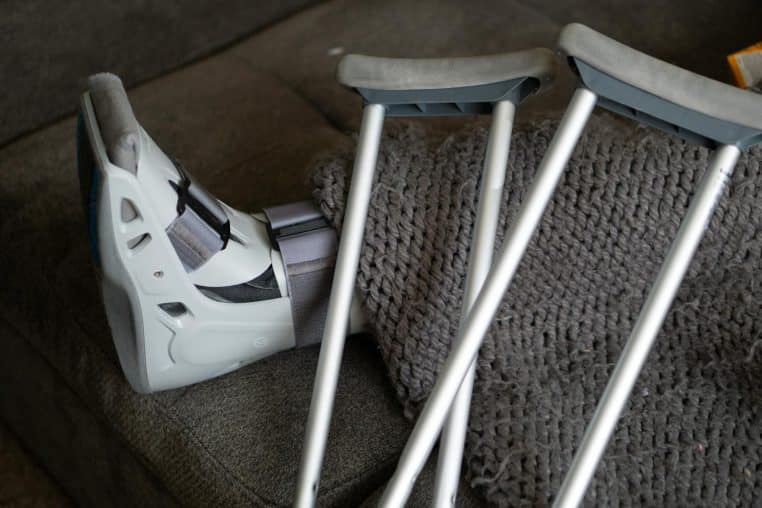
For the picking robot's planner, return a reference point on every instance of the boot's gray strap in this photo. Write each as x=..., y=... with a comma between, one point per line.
x=308, y=245
x=193, y=239
x=201, y=228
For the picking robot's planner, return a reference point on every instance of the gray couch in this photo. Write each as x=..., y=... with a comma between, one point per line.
x=246, y=112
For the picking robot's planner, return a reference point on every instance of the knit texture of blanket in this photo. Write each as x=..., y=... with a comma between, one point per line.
x=692, y=431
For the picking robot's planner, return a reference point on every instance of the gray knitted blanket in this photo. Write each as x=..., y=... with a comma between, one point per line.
x=692, y=433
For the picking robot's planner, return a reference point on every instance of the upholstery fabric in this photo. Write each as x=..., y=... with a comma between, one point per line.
x=50, y=47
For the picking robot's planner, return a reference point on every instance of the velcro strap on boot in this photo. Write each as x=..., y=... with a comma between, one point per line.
x=193, y=239
x=201, y=228
x=308, y=245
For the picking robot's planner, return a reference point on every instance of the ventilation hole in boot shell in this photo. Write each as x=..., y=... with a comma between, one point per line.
x=174, y=309
x=139, y=241
x=129, y=211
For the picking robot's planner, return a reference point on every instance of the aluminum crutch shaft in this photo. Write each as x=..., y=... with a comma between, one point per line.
x=646, y=328
x=467, y=345
x=337, y=318
x=482, y=245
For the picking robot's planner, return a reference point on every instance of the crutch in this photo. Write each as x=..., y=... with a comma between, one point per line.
x=649, y=91
x=698, y=109
x=405, y=87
